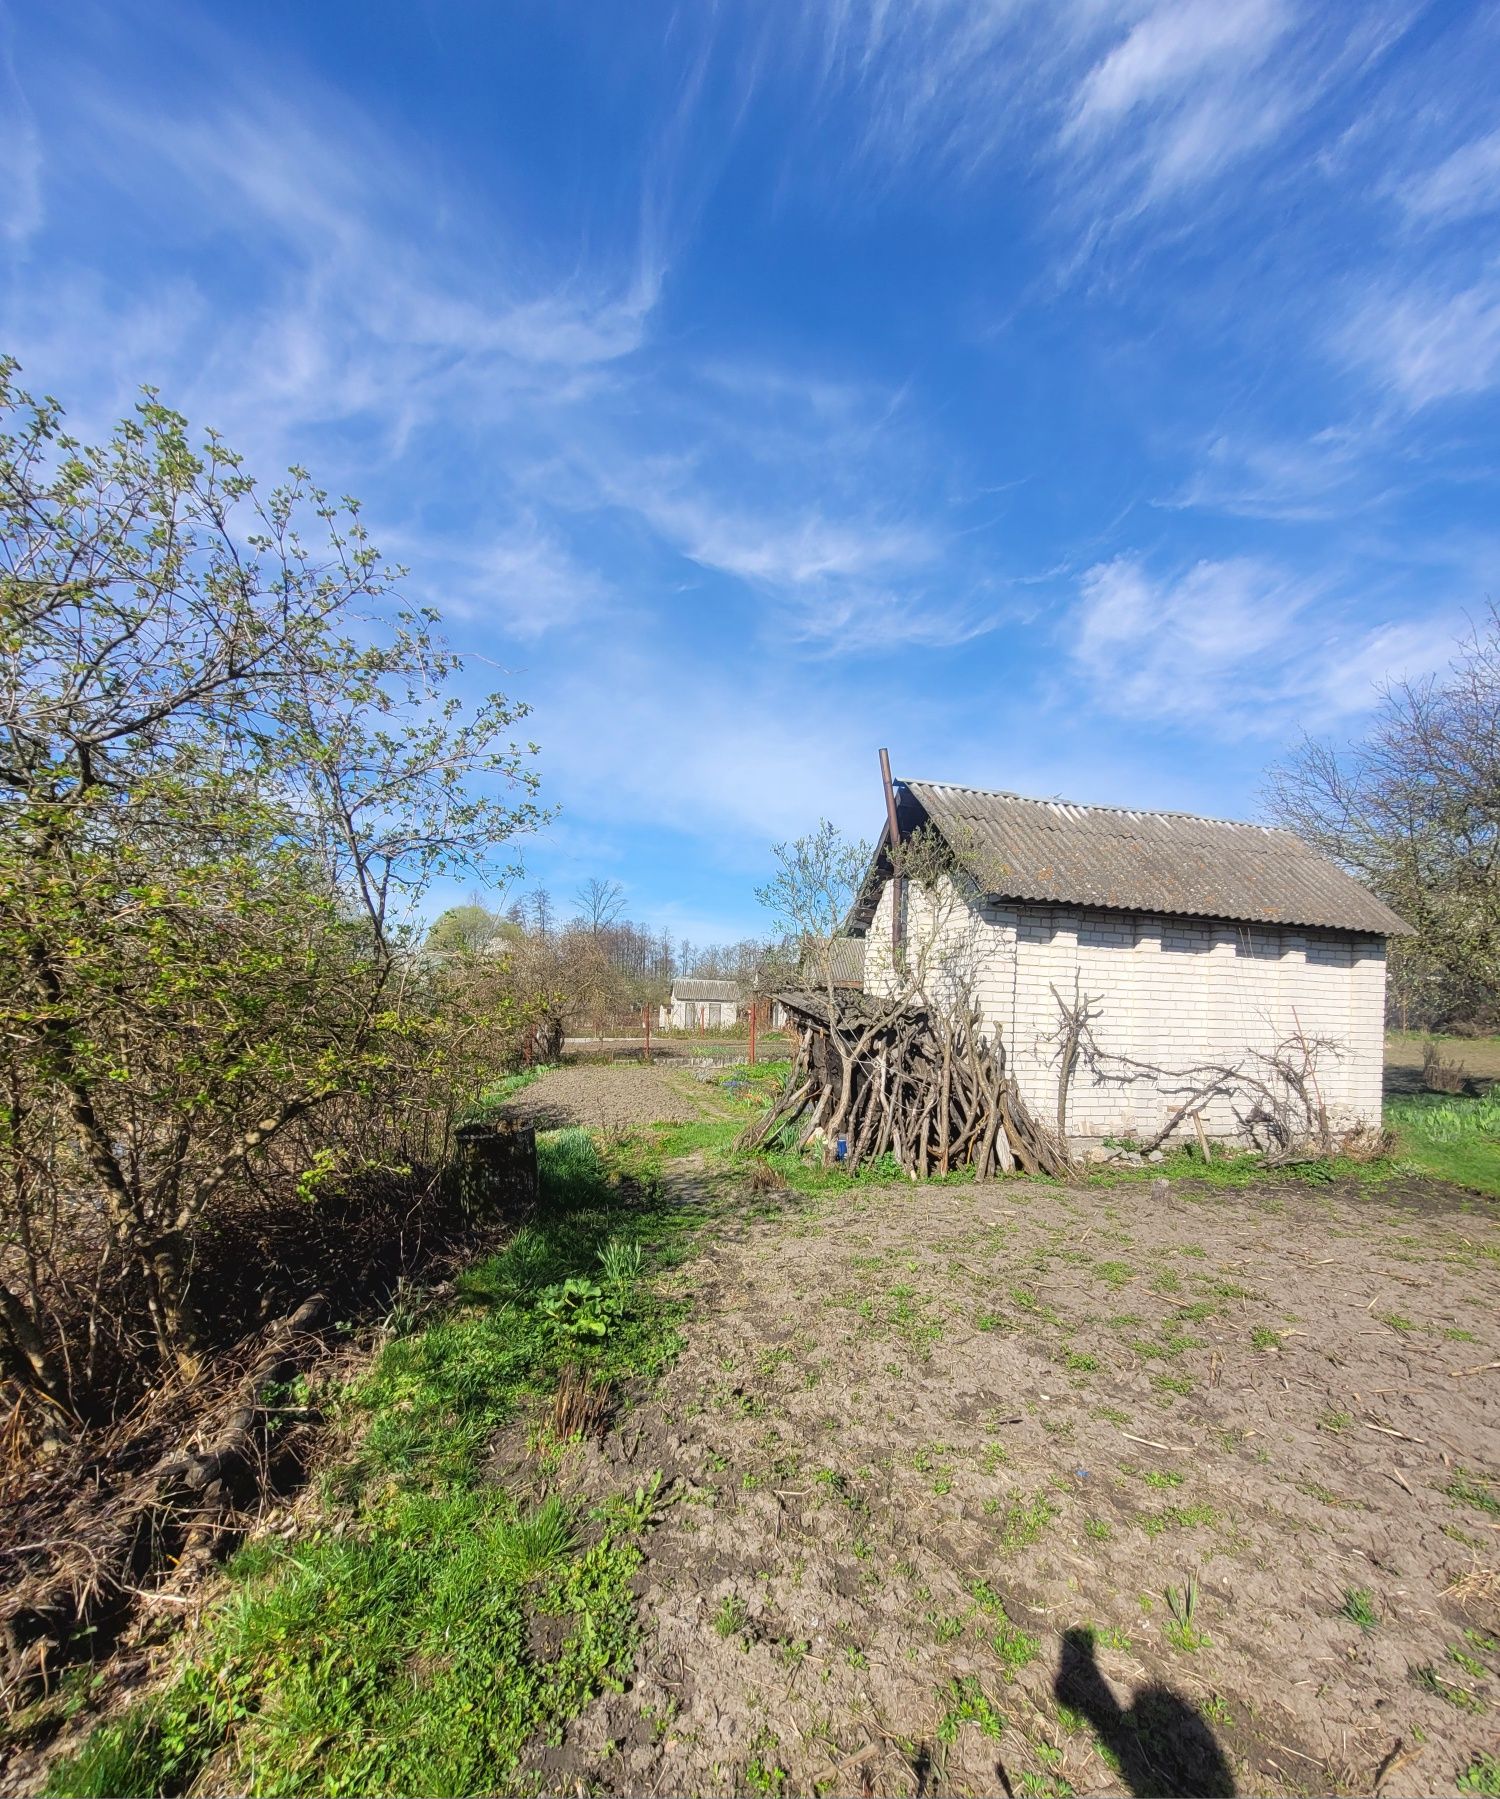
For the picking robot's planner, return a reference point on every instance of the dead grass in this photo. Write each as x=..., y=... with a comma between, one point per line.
x=1479, y=1057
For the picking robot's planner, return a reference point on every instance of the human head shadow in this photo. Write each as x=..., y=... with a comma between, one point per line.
x=1161, y=1742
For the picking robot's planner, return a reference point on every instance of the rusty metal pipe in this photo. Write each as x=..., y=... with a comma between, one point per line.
x=893, y=833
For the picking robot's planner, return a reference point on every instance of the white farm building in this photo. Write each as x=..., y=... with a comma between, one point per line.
x=1200, y=942
x=701, y=1006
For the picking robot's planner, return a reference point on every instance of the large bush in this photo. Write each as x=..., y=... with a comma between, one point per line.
x=230, y=763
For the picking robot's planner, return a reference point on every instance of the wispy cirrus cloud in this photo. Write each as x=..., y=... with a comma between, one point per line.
x=1462, y=186
x=1323, y=475
x=1243, y=642
x=1122, y=105
x=1182, y=95
x=861, y=586
x=1424, y=342
x=348, y=290
x=20, y=176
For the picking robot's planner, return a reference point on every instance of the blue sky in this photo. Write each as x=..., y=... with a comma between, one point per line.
x=1082, y=397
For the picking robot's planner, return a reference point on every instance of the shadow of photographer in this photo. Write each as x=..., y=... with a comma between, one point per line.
x=1161, y=1742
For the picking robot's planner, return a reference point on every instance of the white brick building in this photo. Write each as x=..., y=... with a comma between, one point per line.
x=701, y=1006
x=1202, y=941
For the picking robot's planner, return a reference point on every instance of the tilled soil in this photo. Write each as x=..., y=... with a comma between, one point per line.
x=610, y=1099
x=933, y=1459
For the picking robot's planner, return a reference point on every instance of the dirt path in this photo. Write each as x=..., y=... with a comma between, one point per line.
x=611, y=1099
x=934, y=1458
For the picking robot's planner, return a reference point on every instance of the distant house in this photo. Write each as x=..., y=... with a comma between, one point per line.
x=701, y=1005
x=1203, y=942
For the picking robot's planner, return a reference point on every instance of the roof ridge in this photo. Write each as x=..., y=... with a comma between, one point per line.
x=1027, y=799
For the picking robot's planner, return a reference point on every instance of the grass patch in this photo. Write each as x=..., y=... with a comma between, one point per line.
x=1359, y=1608
x=1182, y=1631
x=964, y=1702
x=1453, y=1137
x=744, y=1092
x=1014, y=1648
x=1430, y=1681
x=392, y=1649
x=1481, y=1776
x=1475, y=1490
x=492, y=1099
x=1178, y=1517
x=732, y=1616
x=1023, y=1520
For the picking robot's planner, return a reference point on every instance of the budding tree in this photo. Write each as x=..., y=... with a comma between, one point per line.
x=229, y=762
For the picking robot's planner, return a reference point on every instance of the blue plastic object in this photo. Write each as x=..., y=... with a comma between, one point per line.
x=841, y=1149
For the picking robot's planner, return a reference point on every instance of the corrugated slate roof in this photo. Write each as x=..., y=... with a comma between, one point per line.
x=706, y=990
x=1169, y=862
x=846, y=963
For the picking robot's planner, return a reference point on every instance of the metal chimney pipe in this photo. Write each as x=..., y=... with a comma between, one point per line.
x=893, y=832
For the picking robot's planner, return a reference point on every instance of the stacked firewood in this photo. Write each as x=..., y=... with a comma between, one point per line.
x=879, y=1076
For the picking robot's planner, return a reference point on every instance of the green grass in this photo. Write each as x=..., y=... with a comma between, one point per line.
x=1182, y=1632
x=1449, y=1135
x=732, y=1616
x=1238, y=1168
x=1454, y=1137
x=1023, y=1520
x=744, y=1093
x=1476, y=1490
x=1359, y=1607
x=1430, y=1681
x=498, y=1092
x=1014, y=1648
x=391, y=1648
x=1481, y=1776
x=1178, y=1517
x=965, y=1703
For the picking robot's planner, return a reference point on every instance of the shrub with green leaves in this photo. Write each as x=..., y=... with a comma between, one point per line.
x=228, y=763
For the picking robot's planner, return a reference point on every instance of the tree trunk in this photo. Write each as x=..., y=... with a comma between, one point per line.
x=30, y=1360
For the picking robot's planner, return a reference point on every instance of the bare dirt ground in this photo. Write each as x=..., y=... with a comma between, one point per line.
x=933, y=1460
x=611, y=1099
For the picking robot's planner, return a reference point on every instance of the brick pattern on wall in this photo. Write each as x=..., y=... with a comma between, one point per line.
x=1172, y=992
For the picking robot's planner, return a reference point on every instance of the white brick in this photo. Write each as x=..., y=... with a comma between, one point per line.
x=1173, y=992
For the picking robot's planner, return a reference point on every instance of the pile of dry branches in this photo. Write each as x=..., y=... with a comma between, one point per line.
x=903, y=1079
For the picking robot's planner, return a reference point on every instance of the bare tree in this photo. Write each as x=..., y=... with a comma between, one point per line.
x=1075, y=1019
x=1414, y=810
x=599, y=903
x=1276, y=1094
x=540, y=912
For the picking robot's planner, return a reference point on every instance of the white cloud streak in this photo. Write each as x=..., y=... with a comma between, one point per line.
x=21, y=205
x=1239, y=646
x=1462, y=186
x=1423, y=343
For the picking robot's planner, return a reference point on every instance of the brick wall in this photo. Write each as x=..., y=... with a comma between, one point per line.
x=1172, y=992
